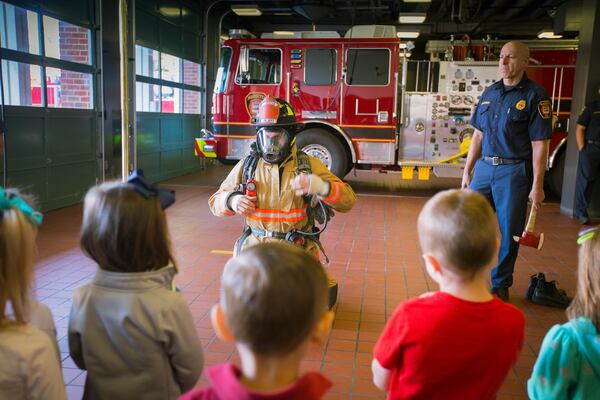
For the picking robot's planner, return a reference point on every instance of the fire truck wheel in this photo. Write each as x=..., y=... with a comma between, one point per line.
x=555, y=175
x=321, y=144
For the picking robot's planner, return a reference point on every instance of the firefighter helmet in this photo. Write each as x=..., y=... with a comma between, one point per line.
x=276, y=129
x=274, y=112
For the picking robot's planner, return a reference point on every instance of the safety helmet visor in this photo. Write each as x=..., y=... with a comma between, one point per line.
x=274, y=144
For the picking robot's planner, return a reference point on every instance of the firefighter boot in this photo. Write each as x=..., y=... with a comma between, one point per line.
x=333, y=292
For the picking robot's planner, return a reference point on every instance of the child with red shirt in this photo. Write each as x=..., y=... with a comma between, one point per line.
x=460, y=342
x=273, y=306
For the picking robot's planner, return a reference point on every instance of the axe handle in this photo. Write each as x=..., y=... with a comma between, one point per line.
x=531, y=220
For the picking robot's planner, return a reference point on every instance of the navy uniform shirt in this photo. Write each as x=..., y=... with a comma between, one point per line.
x=511, y=117
x=590, y=118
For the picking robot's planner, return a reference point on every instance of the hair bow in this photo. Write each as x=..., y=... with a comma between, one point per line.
x=166, y=197
x=6, y=203
x=586, y=234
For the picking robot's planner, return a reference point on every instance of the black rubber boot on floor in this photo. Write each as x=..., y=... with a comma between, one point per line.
x=547, y=294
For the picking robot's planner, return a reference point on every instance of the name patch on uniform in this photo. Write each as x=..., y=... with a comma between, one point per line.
x=545, y=109
x=521, y=105
x=485, y=102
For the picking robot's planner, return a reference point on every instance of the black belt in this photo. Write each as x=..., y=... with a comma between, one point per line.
x=593, y=141
x=501, y=161
x=264, y=233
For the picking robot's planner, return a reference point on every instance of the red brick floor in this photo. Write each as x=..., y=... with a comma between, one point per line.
x=374, y=255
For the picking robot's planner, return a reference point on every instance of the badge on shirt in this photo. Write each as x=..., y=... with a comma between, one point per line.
x=521, y=105
x=545, y=109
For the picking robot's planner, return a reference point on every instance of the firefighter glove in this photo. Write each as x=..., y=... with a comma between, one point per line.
x=310, y=184
x=242, y=204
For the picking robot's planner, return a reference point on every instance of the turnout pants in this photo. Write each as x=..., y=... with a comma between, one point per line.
x=507, y=188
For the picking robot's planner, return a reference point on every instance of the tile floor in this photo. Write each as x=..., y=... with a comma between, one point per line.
x=374, y=255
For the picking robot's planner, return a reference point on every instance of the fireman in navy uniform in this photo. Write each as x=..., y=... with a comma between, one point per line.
x=508, y=153
x=588, y=141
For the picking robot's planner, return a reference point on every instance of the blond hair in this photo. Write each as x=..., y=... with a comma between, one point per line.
x=17, y=258
x=458, y=228
x=587, y=298
x=273, y=295
x=123, y=231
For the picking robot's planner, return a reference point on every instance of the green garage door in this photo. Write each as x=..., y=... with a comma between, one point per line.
x=169, y=89
x=49, y=100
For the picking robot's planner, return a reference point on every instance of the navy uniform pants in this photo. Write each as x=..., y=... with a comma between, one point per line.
x=507, y=188
x=587, y=171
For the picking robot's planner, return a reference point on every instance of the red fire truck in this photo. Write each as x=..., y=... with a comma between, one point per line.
x=363, y=105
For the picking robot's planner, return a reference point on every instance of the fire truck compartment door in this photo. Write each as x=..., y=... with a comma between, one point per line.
x=412, y=136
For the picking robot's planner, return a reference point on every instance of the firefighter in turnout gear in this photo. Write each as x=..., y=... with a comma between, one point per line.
x=280, y=190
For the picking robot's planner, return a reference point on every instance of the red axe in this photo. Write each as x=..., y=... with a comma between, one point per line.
x=528, y=238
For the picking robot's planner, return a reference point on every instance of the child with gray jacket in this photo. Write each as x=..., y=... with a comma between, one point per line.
x=128, y=328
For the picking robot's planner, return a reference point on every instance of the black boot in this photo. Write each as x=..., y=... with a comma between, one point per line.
x=548, y=294
x=533, y=282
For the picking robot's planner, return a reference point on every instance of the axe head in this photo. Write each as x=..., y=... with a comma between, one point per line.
x=530, y=239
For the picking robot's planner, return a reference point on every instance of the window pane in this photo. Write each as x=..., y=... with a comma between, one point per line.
x=146, y=62
x=19, y=29
x=223, y=70
x=320, y=67
x=68, y=89
x=368, y=67
x=264, y=68
x=147, y=97
x=191, y=73
x=66, y=41
x=191, y=102
x=171, y=100
x=22, y=84
x=170, y=67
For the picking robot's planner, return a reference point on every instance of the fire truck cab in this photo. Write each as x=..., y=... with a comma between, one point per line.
x=363, y=105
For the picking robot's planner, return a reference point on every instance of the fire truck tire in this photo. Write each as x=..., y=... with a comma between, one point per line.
x=323, y=145
x=555, y=175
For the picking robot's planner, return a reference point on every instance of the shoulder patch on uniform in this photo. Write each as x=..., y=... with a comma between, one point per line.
x=485, y=102
x=582, y=110
x=521, y=105
x=545, y=109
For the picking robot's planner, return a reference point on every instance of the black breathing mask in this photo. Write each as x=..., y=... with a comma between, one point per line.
x=274, y=144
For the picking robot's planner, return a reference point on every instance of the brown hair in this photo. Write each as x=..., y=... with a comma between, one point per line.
x=458, y=228
x=17, y=254
x=273, y=294
x=123, y=231
x=587, y=299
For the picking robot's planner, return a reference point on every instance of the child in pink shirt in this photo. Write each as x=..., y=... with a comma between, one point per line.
x=273, y=306
x=460, y=342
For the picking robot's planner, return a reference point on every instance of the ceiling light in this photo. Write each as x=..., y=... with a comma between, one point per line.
x=412, y=18
x=169, y=11
x=547, y=34
x=417, y=1
x=246, y=10
x=408, y=35
x=283, y=33
x=405, y=55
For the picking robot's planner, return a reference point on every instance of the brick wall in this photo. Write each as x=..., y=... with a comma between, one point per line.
x=191, y=76
x=75, y=87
